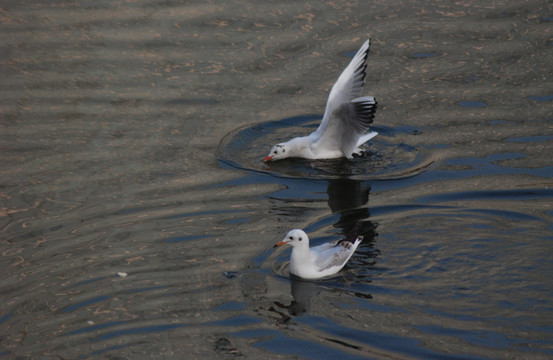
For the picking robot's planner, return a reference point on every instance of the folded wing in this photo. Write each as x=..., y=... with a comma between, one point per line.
x=336, y=256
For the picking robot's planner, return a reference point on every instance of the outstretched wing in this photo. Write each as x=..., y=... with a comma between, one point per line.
x=348, y=86
x=347, y=123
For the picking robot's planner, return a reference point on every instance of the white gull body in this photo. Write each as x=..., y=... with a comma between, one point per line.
x=318, y=261
x=345, y=122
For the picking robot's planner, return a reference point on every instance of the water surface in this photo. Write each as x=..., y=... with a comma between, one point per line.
x=137, y=217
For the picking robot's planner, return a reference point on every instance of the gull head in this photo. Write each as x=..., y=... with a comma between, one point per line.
x=277, y=152
x=294, y=237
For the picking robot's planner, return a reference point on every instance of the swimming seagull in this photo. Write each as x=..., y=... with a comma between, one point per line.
x=345, y=121
x=318, y=261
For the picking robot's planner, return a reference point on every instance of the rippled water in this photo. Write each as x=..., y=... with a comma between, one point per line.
x=137, y=217
x=386, y=157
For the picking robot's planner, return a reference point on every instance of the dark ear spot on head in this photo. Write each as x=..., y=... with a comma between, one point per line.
x=300, y=238
x=283, y=151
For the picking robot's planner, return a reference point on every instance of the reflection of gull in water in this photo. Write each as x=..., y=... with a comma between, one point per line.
x=349, y=198
x=302, y=292
x=345, y=122
x=319, y=261
x=346, y=194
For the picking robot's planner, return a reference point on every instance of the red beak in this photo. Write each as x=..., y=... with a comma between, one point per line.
x=280, y=244
x=268, y=158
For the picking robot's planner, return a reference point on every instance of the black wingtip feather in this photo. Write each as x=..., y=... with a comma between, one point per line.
x=364, y=110
x=362, y=68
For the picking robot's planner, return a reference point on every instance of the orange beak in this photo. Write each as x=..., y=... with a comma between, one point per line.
x=268, y=158
x=280, y=243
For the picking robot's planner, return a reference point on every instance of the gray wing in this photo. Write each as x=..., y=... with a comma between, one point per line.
x=335, y=256
x=347, y=123
x=348, y=86
x=325, y=246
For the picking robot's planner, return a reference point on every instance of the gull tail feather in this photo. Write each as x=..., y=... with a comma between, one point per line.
x=364, y=138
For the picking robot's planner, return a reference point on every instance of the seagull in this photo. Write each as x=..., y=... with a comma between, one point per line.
x=318, y=261
x=345, y=121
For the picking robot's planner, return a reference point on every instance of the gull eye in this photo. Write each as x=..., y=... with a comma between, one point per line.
x=291, y=238
x=274, y=152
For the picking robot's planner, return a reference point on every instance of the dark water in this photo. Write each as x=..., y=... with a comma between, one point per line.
x=137, y=218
